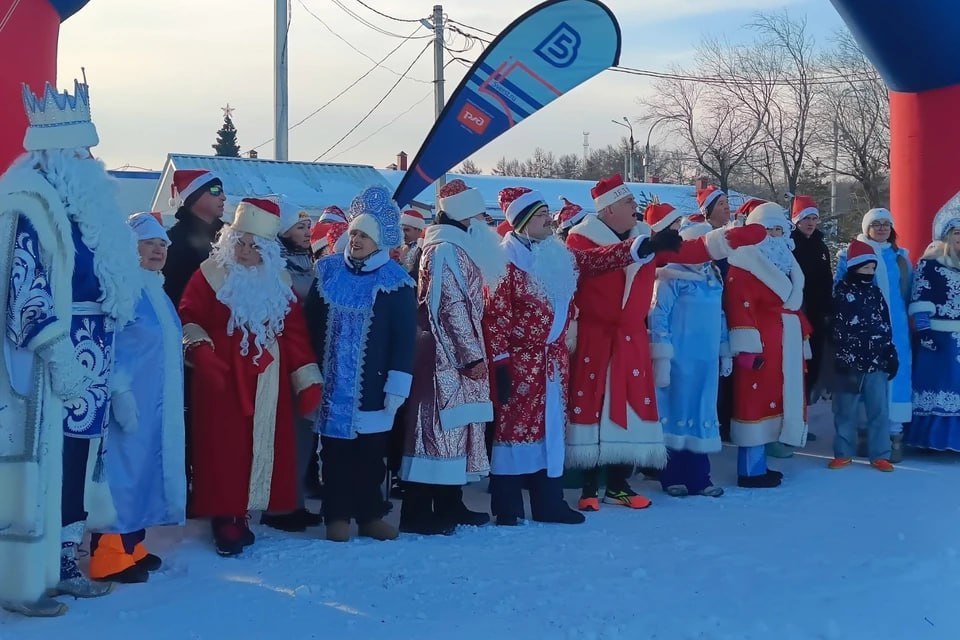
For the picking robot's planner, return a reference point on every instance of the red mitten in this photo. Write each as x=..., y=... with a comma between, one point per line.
x=210, y=367
x=745, y=236
x=309, y=399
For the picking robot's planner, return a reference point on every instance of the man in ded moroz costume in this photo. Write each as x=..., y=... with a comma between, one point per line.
x=69, y=283
x=247, y=340
x=527, y=318
x=450, y=400
x=612, y=399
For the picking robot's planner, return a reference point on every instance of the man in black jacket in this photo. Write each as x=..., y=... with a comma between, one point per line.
x=200, y=197
x=813, y=256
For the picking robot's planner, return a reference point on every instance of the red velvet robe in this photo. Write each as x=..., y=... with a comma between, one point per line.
x=243, y=446
x=612, y=398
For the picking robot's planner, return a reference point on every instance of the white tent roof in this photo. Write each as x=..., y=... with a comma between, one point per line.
x=310, y=186
x=683, y=197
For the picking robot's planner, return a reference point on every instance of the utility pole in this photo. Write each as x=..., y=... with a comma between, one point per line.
x=438, y=74
x=280, y=93
x=836, y=159
x=586, y=148
x=628, y=158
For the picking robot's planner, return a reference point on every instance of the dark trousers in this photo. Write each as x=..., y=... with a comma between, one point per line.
x=617, y=476
x=546, y=495
x=130, y=540
x=75, y=453
x=686, y=468
x=725, y=406
x=352, y=473
x=817, y=344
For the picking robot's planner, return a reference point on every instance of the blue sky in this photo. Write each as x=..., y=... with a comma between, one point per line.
x=159, y=73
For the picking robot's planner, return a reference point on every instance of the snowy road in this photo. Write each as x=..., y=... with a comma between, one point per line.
x=845, y=554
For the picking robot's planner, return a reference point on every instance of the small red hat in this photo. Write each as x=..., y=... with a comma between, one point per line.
x=186, y=182
x=335, y=232
x=859, y=253
x=804, y=207
x=452, y=188
x=696, y=218
x=333, y=213
x=608, y=191
x=660, y=216
x=570, y=215
x=747, y=207
x=258, y=216
x=413, y=218
x=706, y=197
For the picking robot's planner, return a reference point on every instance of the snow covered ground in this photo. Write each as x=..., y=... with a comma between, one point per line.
x=845, y=554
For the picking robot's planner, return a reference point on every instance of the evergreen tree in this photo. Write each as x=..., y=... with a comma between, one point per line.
x=226, y=144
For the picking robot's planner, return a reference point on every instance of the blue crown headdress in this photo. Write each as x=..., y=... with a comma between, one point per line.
x=59, y=120
x=947, y=218
x=378, y=202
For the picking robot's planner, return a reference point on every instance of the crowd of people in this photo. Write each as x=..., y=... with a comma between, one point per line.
x=156, y=374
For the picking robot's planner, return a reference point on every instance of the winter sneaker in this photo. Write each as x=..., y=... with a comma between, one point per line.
x=677, y=490
x=769, y=480
x=779, y=450
x=839, y=463
x=45, y=607
x=338, y=531
x=712, y=492
x=131, y=575
x=626, y=497
x=72, y=581
x=507, y=521
x=228, y=535
x=150, y=562
x=378, y=530
x=882, y=465
x=292, y=522
x=588, y=500
x=896, y=448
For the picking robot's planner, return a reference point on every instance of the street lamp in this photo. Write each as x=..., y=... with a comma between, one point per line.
x=646, y=148
x=628, y=167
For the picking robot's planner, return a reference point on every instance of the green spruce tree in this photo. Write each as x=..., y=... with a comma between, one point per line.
x=226, y=144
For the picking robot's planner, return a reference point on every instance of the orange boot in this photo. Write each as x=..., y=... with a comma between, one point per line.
x=110, y=562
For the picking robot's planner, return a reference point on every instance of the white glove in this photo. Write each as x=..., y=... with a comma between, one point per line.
x=661, y=372
x=726, y=366
x=392, y=402
x=68, y=378
x=125, y=412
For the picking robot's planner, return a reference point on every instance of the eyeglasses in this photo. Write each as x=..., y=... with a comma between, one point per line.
x=881, y=225
x=215, y=190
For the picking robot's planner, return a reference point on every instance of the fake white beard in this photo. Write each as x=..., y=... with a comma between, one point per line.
x=554, y=272
x=89, y=196
x=486, y=252
x=258, y=298
x=778, y=250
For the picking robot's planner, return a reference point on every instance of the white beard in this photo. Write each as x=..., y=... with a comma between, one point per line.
x=554, y=272
x=486, y=252
x=779, y=252
x=89, y=196
x=258, y=298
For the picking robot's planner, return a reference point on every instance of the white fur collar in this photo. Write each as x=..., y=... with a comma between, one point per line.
x=790, y=290
x=438, y=233
x=595, y=230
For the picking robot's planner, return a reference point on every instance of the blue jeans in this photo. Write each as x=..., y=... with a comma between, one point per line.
x=845, y=417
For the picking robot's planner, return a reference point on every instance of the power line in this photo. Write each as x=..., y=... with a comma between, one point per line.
x=467, y=26
x=374, y=108
x=367, y=23
x=350, y=44
x=399, y=115
x=377, y=64
x=385, y=15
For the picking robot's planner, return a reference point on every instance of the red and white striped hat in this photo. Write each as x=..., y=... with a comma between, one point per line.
x=413, y=218
x=804, y=207
x=186, y=182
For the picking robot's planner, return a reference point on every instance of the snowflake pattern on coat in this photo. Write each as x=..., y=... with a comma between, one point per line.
x=862, y=337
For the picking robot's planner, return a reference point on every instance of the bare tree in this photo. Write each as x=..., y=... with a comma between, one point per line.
x=506, y=167
x=469, y=168
x=569, y=166
x=857, y=110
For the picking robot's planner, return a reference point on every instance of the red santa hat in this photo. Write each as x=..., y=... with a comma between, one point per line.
x=608, y=191
x=804, y=207
x=318, y=236
x=337, y=236
x=771, y=216
x=187, y=182
x=570, y=215
x=875, y=215
x=519, y=204
x=459, y=202
x=258, y=216
x=747, y=207
x=860, y=253
x=333, y=213
x=660, y=216
x=706, y=197
x=413, y=218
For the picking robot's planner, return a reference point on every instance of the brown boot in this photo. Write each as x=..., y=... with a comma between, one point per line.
x=338, y=531
x=378, y=530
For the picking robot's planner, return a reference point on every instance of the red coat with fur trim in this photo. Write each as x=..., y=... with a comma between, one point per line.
x=612, y=399
x=763, y=314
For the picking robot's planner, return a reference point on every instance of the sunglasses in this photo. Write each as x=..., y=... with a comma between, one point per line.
x=215, y=190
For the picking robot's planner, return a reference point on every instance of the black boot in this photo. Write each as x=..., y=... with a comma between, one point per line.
x=449, y=505
x=416, y=512
x=769, y=480
x=547, y=503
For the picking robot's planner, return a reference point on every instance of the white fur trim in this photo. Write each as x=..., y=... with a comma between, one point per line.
x=398, y=383
x=318, y=244
x=604, y=200
x=794, y=430
x=771, y=216
x=743, y=340
x=469, y=413
x=755, y=434
x=710, y=198
x=661, y=350
x=695, y=230
x=439, y=471
x=635, y=250
x=945, y=326
x=805, y=213
x=872, y=216
x=571, y=338
x=788, y=289
x=412, y=221
x=667, y=220
x=464, y=205
x=196, y=183
x=921, y=306
x=522, y=202
x=250, y=218
x=716, y=243
x=305, y=377
x=264, y=432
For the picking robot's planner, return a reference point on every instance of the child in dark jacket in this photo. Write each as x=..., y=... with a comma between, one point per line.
x=866, y=360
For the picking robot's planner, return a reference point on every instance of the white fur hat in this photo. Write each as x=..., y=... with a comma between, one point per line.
x=874, y=215
x=771, y=216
